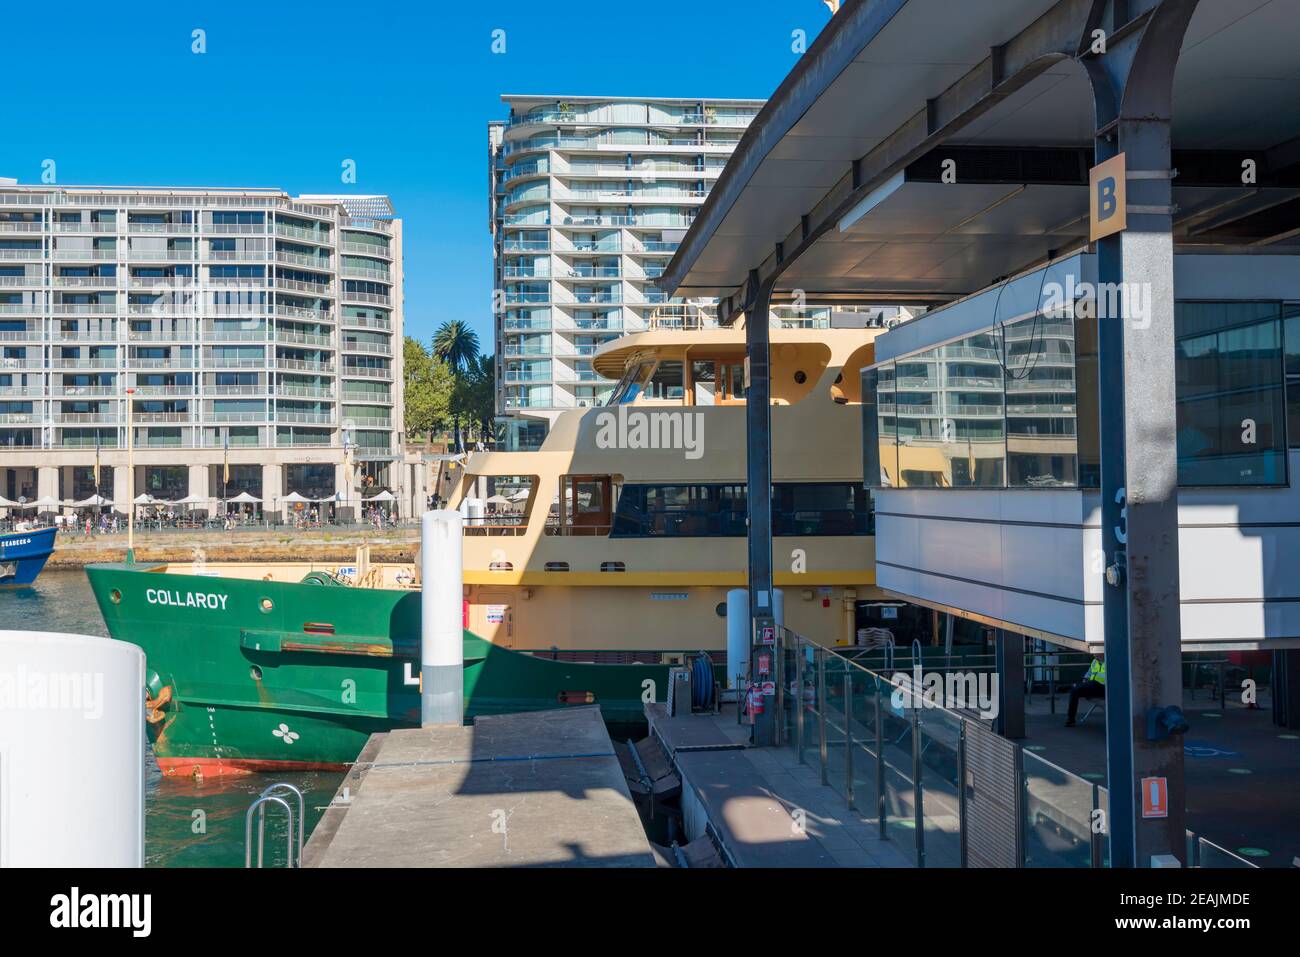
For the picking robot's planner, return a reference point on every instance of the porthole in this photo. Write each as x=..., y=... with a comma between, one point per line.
x=115, y=597
x=255, y=673
x=800, y=377
x=266, y=605
x=721, y=610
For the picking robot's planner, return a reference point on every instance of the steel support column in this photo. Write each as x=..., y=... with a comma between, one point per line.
x=758, y=474
x=1010, y=656
x=1132, y=84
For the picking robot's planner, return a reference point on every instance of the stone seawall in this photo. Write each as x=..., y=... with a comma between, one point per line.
x=74, y=550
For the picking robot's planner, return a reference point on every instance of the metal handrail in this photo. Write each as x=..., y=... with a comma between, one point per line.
x=302, y=813
x=248, y=831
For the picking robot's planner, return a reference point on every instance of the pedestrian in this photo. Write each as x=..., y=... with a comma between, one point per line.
x=1092, y=685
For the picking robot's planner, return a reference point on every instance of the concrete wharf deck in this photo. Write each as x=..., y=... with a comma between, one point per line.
x=537, y=789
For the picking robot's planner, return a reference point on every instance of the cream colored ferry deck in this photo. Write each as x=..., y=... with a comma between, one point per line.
x=609, y=545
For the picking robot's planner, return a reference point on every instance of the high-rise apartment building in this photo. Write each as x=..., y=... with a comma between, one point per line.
x=589, y=199
x=261, y=334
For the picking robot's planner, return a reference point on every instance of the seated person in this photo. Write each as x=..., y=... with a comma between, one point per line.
x=1092, y=685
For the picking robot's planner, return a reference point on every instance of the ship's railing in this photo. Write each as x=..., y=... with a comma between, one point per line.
x=894, y=756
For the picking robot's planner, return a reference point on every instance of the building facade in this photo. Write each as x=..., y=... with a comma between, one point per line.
x=260, y=333
x=590, y=197
x=982, y=448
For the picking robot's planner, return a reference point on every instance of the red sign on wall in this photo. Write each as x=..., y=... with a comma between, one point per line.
x=1155, y=797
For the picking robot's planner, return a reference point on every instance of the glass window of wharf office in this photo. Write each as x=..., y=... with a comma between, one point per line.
x=1015, y=405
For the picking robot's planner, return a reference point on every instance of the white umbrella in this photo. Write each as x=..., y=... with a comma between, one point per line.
x=498, y=500
x=46, y=502
x=91, y=502
x=295, y=497
x=190, y=500
x=6, y=503
x=384, y=496
x=144, y=498
x=520, y=496
x=243, y=498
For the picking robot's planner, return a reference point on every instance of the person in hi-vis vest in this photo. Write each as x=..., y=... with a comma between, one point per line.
x=1092, y=685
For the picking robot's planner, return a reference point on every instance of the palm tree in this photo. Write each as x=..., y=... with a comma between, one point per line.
x=457, y=345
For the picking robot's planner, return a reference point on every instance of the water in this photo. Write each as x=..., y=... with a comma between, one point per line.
x=188, y=823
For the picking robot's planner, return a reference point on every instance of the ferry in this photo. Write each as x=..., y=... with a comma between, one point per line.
x=591, y=566
x=24, y=553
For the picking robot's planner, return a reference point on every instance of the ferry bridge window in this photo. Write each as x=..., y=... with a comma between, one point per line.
x=668, y=381
x=718, y=510
x=1231, y=402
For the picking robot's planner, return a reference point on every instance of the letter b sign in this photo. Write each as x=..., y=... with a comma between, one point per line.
x=1107, y=201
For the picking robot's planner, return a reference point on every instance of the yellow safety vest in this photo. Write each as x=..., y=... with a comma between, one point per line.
x=1097, y=671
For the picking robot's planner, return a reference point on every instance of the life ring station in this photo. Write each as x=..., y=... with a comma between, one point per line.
x=1083, y=440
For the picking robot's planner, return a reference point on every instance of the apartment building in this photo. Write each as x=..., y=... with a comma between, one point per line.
x=260, y=333
x=589, y=199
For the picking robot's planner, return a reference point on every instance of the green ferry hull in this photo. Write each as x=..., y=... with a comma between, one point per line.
x=249, y=675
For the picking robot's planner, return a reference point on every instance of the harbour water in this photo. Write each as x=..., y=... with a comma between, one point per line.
x=188, y=822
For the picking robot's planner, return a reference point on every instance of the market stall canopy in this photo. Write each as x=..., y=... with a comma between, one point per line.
x=144, y=498
x=7, y=503
x=243, y=498
x=295, y=497
x=384, y=496
x=94, y=500
x=498, y=500
x=191, y=500
x=46, y=501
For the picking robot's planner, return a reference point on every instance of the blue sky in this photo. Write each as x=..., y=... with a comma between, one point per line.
x=288, y=90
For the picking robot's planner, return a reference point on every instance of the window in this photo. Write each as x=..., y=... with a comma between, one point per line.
x=1291, y=341
x=720, y=510
x=1017, y=406
x=1231, y=403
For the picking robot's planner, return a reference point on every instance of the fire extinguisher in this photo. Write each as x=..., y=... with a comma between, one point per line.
x=754, y=702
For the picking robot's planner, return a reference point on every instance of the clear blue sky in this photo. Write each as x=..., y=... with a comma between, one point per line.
x=288, y=90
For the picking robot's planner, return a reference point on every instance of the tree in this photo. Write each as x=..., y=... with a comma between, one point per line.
x=478, y=397
x=428, y=383
x=457, y=345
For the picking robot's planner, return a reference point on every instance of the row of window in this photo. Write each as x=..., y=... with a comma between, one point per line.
x=1016, y=406
x=720, y=510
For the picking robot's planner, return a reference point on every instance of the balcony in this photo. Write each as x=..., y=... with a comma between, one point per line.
x=25, y=254
x=367, y=297
x=367, y=249
x=371, y=225
x=365, y=322
x=304, y=338
x=302, y=312
x=315, y=288
x=318, y=263
x=321, y=237
x=304, y=391
x=360, y=272
x=374, y=348
x=147, y=418
x=311, y=418
x=82, y=282
x=367, y=372
x=310, y=365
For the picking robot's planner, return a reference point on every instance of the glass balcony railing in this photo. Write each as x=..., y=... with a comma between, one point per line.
x=937, y=781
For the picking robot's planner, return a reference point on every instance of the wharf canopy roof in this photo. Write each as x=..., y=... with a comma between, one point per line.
x=842, y=169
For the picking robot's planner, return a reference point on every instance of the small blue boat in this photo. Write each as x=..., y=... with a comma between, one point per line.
x=23, y=555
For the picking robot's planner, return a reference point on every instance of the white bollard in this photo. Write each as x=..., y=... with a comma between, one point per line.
x=442, y=648
x=71, y=751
